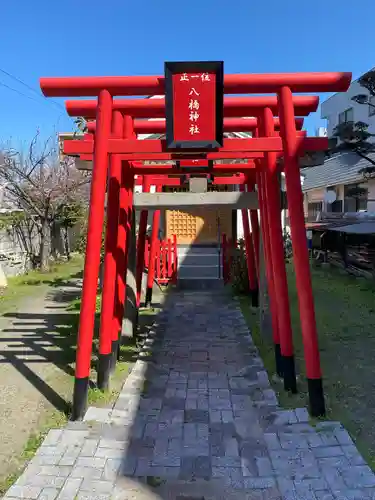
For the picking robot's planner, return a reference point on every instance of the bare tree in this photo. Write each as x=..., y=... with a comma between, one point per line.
x=42, y=188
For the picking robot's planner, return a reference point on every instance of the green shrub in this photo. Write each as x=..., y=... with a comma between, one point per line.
x=238, y=270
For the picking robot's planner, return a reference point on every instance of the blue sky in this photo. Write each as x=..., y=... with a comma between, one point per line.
x=126, y=37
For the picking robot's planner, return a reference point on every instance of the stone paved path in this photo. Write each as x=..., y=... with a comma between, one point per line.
x=197, y=419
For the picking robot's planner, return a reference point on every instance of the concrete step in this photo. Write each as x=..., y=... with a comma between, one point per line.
x=200, y=284
x=199, y=267
x=199, y=259
x=209, y=271
x=198, y=250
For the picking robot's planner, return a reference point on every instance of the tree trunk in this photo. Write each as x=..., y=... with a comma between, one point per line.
x=44, y=246
x=66, y=242
x=55, y=230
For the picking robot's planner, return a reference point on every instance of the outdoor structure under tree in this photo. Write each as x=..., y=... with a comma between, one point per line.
x=195, y=110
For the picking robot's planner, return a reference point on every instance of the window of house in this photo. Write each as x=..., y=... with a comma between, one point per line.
x=355, y=197
x=371, y=108
x=335, y=206
x=346, y=116
x=314, y=208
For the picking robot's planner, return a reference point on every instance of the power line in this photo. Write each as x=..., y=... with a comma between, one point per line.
x=18, y=92
x=29, y=97
x=52, y=101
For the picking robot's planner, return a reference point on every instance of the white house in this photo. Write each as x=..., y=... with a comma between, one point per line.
x=342, y=173
x=341, y=108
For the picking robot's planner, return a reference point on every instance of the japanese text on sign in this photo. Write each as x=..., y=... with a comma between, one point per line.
x=194, y=103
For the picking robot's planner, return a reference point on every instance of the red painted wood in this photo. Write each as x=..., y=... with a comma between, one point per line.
x=235, y=107
x=233, y=84
x=230, y=125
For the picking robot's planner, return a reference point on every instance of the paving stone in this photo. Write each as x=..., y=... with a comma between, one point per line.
x=175, y=402
x=97, y=462
x=24, y=491
x=92, y=496
x=226, y=461
x=86, y=473
x=97, y=414
x=111, y=469
x=231, y=447
x=360, y=476
x=70, y=456
x=215, y=416
x=333, y=462
x=353, y=455
x=286, y=486
x=231, y=477
x=264, y=466
x=302, y=415
x=293, y=441
x=324, y=495
x=97, y=487
x=312, y=484
x=49, y=494
x=70, y=489
x=196, y=416
x=285, y=417
x=142, y=468
x=48, y=459
x=343, y=437
x=53, y=437
x=45, y=481
x=272, y=441
x=109, y=453
x=171, y=416
x=34, y=469
x=110, y=443
x=259, y=482
x=334, y=479
x=129, y=465
x=167, y=460
x=328, y=451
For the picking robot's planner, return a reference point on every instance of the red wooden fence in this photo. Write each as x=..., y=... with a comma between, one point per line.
x=166, y=260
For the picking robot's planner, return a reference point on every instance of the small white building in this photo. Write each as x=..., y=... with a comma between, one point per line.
x=340, y=108
x=342, y=173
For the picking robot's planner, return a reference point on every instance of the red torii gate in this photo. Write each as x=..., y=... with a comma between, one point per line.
x=253, y=105
x=264, y=150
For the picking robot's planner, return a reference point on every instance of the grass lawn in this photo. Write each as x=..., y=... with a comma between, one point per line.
x=20, y=286
x=345, y=308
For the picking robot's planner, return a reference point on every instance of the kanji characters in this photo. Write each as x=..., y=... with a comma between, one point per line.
x=205, y=77
x=194, y=129
x=194, y=104
x=194, y=116
x=193, y=100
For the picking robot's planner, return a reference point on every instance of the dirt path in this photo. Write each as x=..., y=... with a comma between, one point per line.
x=36, y=348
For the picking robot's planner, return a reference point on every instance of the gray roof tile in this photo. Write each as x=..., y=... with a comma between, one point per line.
x=340, y=169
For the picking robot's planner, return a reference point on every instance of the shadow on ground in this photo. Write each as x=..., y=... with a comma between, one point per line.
x=45, y=337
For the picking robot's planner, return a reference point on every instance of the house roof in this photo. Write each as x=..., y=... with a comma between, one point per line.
x=339, y=169
x=359, y=228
